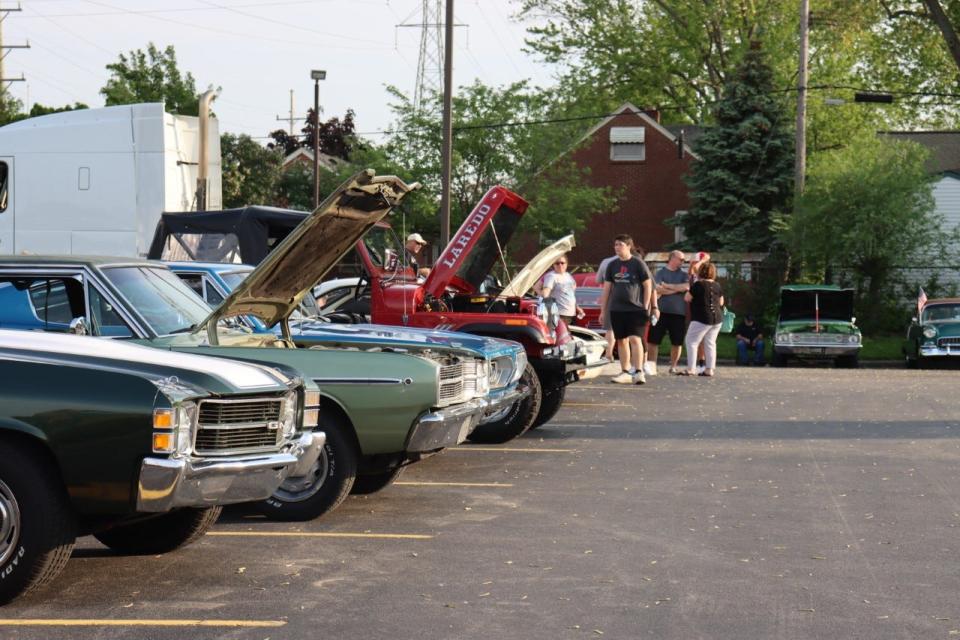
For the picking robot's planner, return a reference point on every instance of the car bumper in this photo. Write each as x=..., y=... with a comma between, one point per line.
x=445, y=427
x=817, y=351
x=169, y=483
x=498, y=400
x=940, y=352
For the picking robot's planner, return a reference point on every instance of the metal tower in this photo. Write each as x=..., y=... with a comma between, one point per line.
x=430, y=63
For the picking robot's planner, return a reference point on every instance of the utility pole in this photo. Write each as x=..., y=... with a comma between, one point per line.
x=4, y=50
x=291, y=118
x=447, y=150
x=317, y=75
x=800, y=168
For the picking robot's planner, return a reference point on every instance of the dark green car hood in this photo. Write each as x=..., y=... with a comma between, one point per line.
x=201, y=374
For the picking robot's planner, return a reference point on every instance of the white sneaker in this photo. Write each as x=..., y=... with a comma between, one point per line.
x=700, y=369
x=623, y=378
x=650, y=368
x=638, y=378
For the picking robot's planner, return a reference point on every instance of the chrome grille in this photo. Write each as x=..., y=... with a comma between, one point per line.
x=238, y=426
x=948, y=342
x=451, y=383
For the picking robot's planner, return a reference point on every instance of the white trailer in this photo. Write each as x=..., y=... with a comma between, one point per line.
x=95, y=181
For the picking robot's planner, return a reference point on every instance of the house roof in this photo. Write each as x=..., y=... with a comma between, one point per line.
x=944, y=147
x=628, y=108
x=328, y=162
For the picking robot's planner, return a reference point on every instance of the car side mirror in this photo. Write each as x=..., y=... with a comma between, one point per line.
x=913, y=319
x=78, y=326
x=853, y=320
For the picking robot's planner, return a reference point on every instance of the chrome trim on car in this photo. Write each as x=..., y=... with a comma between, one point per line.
x=10, y=523
x=445, y=427
x=169, y=483
x=322, y=381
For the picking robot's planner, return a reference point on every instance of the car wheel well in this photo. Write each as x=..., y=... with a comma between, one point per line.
x=329, y=404
x=26, y=440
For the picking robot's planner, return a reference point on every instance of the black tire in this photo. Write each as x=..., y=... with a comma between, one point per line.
x=161, y=534
x=327, y=485
x=912, y=363
x=517, y=418
x=368, y=483
x=551, y=403
x=779, y=359
x=37, y=528
x=847, y=362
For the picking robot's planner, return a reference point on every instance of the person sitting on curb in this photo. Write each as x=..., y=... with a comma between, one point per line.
x=749, y=336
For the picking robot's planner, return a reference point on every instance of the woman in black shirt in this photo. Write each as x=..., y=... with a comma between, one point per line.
x=706, y=315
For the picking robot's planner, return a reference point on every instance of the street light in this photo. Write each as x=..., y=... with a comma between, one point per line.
x=317, y=75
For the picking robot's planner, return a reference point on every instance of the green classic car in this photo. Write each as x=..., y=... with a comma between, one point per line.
x=135, y=446
x=380, y=410
x=935, y=335
x=816, y=323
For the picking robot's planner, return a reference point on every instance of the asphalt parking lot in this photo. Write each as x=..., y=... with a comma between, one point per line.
x=764, y=503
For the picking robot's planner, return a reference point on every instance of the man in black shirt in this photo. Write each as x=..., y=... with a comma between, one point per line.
x=628, y=287
x=749, y=336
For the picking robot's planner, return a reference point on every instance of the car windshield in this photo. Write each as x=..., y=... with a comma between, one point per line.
x=164, y=301
x=308, y=306
x=941, y=312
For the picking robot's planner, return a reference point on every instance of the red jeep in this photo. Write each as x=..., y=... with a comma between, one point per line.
x=459, y=295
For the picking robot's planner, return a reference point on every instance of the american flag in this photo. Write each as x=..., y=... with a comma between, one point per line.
x=921, y=300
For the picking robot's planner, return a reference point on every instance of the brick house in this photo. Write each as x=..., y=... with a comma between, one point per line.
x=633, y=152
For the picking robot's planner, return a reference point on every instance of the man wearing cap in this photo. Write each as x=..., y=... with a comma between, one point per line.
x=415, y=243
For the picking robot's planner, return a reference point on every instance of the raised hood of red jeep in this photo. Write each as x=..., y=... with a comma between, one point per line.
x=476, y=246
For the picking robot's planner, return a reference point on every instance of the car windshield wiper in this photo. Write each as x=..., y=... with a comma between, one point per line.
x=189, y=329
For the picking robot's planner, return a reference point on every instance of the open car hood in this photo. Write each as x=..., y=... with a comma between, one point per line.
x=275, y=288
x=526, y=277
x=477, y=244
x=800, y=303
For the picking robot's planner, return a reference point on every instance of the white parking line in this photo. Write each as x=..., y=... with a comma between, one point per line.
x=509, y=450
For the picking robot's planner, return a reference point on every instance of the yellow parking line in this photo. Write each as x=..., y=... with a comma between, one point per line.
x=508, y=450
x=594, y=404
x=315, y=534
x=453, y=484
x=93, y=622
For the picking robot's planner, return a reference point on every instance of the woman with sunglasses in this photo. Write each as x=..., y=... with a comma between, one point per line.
x=561, y=286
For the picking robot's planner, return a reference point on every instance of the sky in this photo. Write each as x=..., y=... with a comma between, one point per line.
x=256, y=52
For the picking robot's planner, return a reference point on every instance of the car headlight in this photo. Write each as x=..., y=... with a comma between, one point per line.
x=173, y=428
x=854, y=339
x=929, y=332
x=780, y=337
x=288, y=415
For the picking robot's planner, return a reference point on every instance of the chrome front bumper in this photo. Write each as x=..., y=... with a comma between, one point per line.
x=445, y=427
x=935, y=351
x=817, y=351
x=501, y=399
x=169, y=483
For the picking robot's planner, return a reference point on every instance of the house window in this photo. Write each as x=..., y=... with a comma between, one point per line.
x=4, y=172
x=627, y=144
x=678, y=234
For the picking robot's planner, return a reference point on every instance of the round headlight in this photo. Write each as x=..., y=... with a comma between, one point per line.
x=854, y=339
x=929, y=332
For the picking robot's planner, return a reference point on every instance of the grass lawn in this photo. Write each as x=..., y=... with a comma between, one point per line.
x=874, y=348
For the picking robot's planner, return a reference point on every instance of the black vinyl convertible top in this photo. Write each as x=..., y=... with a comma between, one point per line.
x=233, y=235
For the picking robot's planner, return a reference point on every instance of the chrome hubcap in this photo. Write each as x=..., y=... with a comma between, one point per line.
x=9, y=523
x=303, y=487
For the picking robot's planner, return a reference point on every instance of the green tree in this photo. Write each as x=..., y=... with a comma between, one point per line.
x=744, y=175
x=251, y=172
x=497, y=141
x=151, y=76
x=867, y=208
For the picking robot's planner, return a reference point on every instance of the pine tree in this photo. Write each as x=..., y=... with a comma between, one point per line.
x=745, y=171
